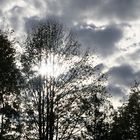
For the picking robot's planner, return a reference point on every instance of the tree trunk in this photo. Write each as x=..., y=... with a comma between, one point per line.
x=40, y=111
x=1, y=133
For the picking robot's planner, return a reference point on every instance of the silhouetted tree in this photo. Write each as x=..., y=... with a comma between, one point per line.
x=9, y=90
x=101, y=109
x=69, y=100
x=126, y=125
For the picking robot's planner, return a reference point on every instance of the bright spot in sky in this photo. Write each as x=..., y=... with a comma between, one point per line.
x=49, y=69
x=53, y=66
x=44, y=68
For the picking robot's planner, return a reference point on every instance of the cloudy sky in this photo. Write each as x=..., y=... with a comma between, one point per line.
x=109, y=28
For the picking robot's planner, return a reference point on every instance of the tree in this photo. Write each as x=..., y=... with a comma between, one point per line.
x=64, y=93
x=98, y=124
x=126, y=123
x=9, y=78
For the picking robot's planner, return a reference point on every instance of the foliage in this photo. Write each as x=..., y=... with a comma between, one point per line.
x=9, y=79
x=126, y=125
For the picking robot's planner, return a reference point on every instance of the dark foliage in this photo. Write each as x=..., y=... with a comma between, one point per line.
x=126, y=125
x=9, y=89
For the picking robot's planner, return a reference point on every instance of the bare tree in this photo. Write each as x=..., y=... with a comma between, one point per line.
x=60, y=86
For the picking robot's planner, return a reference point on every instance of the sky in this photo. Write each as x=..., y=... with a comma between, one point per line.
x=110, y=29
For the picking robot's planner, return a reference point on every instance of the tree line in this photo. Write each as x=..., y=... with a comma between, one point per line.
x=57, y=93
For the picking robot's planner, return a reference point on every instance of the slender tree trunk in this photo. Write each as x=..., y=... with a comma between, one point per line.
x=48, y=113
x=40, y=111
x=57, y=123
x=1, y=132
x=52, y=114
x=43, y=117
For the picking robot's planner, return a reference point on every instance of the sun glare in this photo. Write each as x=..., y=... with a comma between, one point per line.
x=51, y=67
x=55, y=65
x=44, y=68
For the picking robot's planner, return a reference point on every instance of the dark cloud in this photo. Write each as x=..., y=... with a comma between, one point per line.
x=116, y=91
x=3, y=7
x=31, y=22
x=37, y=4
x=136, y=55
x=121, y=78
x=3, y=2
x=73, y=9
x=102, y=40
x=100, y=67
x=123, y=75
x=121, y=9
